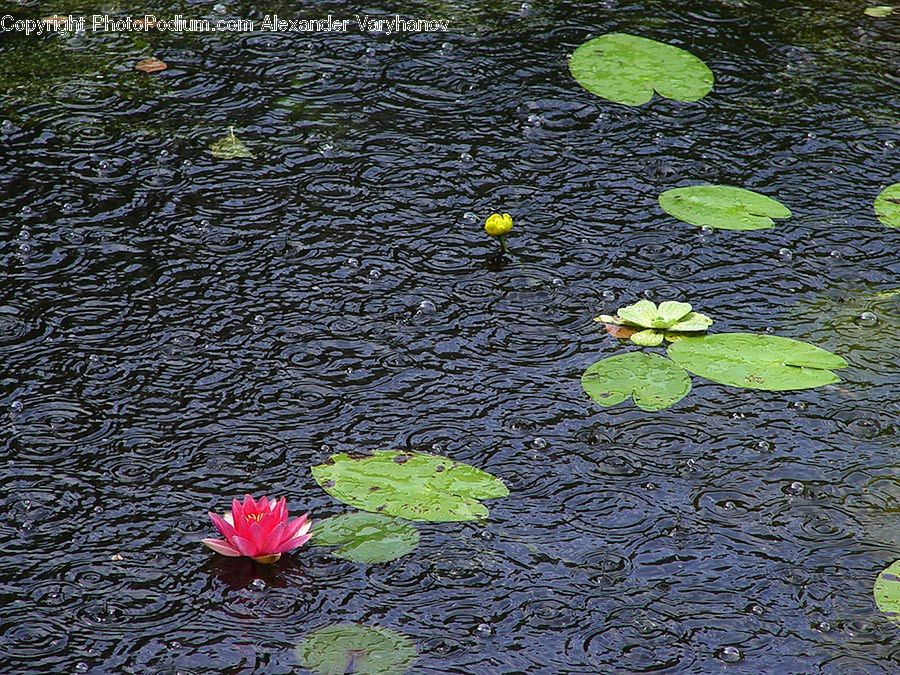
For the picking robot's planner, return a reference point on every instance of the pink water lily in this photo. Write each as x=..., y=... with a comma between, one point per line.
x=258, y=530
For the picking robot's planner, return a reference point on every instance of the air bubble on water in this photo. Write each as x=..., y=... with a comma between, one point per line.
x=374, y=274
x=824, y=626
x=785, y=253
x=800, y=405
x=26, y=210
x=836, y=254
x=756, y=609
x=16, y=406
x=352, y=262
x=6, y=126
x=535, y=120
x=426, y=307
x=795, y=488
x=539, y=443
x=729, y=654
x=24, y=248
x=608, y=295
x=220, y=8
x=81, y=667
x=764, y=446
x=259, y=319
x=258, y=585
x=867, y=319
x=465, y=157
x=469, y=217
x=648, y=294
x=556, y=281
x=525, y=8
x=484, y=629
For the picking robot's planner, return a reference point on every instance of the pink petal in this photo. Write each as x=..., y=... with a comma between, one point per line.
x=264, y=504
x=244, y=546
x=250, y=504
x=293, y=543
x=257, y=536
x=237, y=515
x=222, y=547
x=274, y=537
x=222, y=525
x=294, y=526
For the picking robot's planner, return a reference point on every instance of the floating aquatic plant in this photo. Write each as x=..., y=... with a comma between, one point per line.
x=887, y=205
x=366, y=537
x=230, y=147
x=887, y=591
x=354, y=648
x=653, y=381
x=879, y=11
x=498, y=226
x=258, y=529
x=413, y=486
x=723, y=207
x=628, y=68
x=670, y=321
x=756, y=361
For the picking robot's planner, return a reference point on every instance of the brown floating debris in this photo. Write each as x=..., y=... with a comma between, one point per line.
x=150, y=65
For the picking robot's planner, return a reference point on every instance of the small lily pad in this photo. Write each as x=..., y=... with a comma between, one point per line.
x=353, y=648
x=879, y=11
x=887, y=592
x=230, y=147
x=887, y=205
x=365, y=537
x=754, y=361
x=409, y=485
x=722, y=207
x=653, y=381
x=627, y=69
x=669, y=321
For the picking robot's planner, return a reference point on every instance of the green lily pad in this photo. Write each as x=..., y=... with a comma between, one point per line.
x=722, y=207
x=653, y=381
x=660, y=323
x=887, y=592
x=409, y=485
x=757, y=361
x=627, y=69
x=354, y=648
x=365, y=537
x=230, y=147
x=887, y=205
x=879, y=11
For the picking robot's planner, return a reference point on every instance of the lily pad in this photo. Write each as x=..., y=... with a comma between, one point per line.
x=754, y=361
x=879, y=11
x=354, y=648
x=666, y=322
x=722, y=207
x=653, y=381
x=409, y=485
x=229, y=147
x=887, y=592
x=627, y=69
x=366, y=537
x=887, y=205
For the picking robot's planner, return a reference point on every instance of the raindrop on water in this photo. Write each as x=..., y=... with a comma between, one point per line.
x=16, y=406
x=427, y=307
x=785, y=253
x=469, y=217
x=539, y=443
x=81, y=667
x=258, y=585
x=220, y=8
x=729, y=654
x=795, y=488
x=867, y=319
x=483, y=630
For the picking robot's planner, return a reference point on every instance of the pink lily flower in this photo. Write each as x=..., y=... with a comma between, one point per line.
x=258, y=530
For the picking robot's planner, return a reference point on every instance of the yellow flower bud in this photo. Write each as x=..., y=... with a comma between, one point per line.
x=497, y=225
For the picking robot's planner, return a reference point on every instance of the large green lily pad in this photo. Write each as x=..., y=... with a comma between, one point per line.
x=652, y=380
x=627, y=69
x=756, y=361
x=887, y=592
x=722, y=207
x=409, y=485
x=365, y=537
x=887, y=205
x=353, y=648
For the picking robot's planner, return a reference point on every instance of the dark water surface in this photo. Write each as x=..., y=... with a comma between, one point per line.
x=176, y=330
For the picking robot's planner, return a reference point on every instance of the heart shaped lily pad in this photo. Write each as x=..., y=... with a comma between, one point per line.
x=652, y=380
x=722, y=207
x=754, y=361
x=409, y=485
x=366, y=537
x=353, y=648
x=887, y=592
x=627, y=69
x=887, y=205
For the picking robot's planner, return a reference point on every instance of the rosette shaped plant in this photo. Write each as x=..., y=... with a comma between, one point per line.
x=649, y=325
x=258, y=529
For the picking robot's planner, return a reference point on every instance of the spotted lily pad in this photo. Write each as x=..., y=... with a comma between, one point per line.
x=365, y=537
x=409, y=485
x=654, y=324
x=353, y=648
x=887, y=592
x=652, y=380
x=887, y=205
x=756, y=361
x=722, y=207
x=627, y=69
x=229, y=147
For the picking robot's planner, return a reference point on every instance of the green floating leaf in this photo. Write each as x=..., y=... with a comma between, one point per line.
x=353, y=648
x=887, y=592
x=887, y=205
x=757, y=361
x=723, y=207
x=879, y=11
x=414, y=486
x=366, y=537
x=230, y=147
x=627, y=69
x=652, y=380
x=660, y=323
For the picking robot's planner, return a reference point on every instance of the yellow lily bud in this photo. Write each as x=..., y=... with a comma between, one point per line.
x=498, y=225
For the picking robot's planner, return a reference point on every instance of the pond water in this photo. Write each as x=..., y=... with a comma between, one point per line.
x=177, y=330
